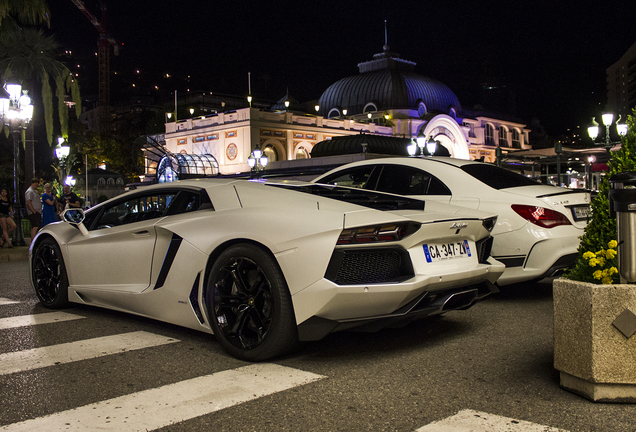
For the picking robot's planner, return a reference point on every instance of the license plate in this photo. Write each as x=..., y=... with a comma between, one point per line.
x=580, y=213
x=444, y=251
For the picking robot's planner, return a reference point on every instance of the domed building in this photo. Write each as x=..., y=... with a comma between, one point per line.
x=387, y=83
x=387, y=99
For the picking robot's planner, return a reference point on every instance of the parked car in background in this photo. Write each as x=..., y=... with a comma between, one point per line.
x=264, y=265
x=538, y=226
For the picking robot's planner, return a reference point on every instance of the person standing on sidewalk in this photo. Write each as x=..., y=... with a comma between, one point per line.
x=68, y=200
x=49, y=205
x=6, y=218
x=34, y=207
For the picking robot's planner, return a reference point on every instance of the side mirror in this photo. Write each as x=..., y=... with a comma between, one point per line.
x=76, y=217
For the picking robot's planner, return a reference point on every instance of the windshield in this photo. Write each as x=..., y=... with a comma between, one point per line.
x=362, y=197
x=498, y=178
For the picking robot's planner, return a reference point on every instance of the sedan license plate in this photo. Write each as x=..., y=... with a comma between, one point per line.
x=444, y=251
x=581, y=213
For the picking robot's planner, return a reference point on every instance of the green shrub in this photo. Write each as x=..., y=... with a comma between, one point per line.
x=601, y=228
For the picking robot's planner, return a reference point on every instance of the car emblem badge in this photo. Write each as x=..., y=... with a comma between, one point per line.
x=458, y=226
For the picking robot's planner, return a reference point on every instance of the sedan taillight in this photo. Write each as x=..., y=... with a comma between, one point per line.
x=377, y=233
x=541, y=216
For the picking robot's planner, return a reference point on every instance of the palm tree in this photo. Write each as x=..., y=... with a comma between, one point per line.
x=30, y=12
x=29, y=55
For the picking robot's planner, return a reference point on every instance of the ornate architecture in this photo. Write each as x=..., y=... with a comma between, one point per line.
x=387, y=99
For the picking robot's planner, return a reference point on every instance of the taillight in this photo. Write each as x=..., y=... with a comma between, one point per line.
x=541, y=216
x=489, y=223
x=377, y=233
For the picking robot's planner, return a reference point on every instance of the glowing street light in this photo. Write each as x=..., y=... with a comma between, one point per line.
x=16, y=112
x=607, y=118
x=257, y=161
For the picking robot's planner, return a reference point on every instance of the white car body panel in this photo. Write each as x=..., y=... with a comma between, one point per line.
x=535, y=249
x=137, y=268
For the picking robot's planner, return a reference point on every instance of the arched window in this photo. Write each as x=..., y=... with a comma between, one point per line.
x=503, y=136
x=101, y=181
x=80, y=181
x=489, y=136
x=110, y=181
x=370, y=107
x=421, y=109
x=333, y=112
x=271, y=153
x=120, y=181
x=516, y=139
x=301, y=153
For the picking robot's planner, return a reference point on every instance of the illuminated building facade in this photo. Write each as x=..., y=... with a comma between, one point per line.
x=387, y=98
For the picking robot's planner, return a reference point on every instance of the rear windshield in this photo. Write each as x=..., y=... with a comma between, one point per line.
x=498, y=178
x=361, y=197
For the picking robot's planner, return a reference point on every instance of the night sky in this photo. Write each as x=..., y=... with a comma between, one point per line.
x=553, y=54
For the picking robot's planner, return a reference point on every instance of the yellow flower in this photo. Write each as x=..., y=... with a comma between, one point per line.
x=597, y=274
x=601, y=261
x=613, y=270
x=593, y=262
x=612, y=244
x=607, y=281
x=600, y=253
x=610, y=254
x=587, y=255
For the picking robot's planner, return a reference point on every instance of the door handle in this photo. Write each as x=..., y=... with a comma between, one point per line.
x=141, y=233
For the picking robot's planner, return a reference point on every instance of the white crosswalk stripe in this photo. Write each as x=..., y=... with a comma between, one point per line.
x=81, y=350
x=476, y=421
x=43, y=318
x=163, y=406
x=6, y=301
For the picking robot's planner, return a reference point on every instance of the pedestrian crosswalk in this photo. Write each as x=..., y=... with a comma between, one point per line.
x=81, y=350
x=163, y=406
x=43, y=318
x=476, y=421
x=170, y=404
x=6, y=301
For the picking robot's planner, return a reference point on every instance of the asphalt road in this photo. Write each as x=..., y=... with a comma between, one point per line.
x=495, y=358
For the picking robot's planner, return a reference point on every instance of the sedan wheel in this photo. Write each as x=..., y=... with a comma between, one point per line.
x=49, y=275
x=250, y=306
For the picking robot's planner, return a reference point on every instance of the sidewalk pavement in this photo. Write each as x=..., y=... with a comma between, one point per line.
x=16, y=253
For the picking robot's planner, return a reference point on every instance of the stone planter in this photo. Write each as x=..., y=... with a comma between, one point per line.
x=594, y=349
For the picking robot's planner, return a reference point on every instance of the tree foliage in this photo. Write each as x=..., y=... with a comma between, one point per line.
x=30, y=12
x=29, y=55
x=601, y=228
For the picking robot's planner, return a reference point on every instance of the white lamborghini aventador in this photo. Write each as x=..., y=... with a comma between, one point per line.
x=264, y=265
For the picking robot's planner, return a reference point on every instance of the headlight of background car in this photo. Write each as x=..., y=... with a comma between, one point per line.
x=377, y=233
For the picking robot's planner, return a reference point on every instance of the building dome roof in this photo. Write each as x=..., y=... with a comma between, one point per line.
x=387, y=82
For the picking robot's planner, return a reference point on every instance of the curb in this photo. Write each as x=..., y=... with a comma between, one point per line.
x=16, y=253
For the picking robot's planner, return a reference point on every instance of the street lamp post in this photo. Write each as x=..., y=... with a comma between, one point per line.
x=257, y=160
x=16, y=112
x=420, y=143
x=608, y=118
x=61, y=152
x=558, y=149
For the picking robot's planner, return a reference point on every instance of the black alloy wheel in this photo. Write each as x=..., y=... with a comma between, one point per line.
x=250, y=306
x=49, y=275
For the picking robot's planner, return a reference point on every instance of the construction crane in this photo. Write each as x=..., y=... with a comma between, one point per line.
x=103, y=61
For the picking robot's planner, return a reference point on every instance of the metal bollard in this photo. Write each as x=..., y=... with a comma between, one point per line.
x=622, y=197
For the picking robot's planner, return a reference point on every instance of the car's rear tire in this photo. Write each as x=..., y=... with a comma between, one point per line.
x=249, y=304
x=49, y=275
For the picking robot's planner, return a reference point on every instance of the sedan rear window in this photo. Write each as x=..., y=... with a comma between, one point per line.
x=498, y=178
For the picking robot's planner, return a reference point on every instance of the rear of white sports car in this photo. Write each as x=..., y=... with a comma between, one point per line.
x=263, y=266
x=389, y=268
